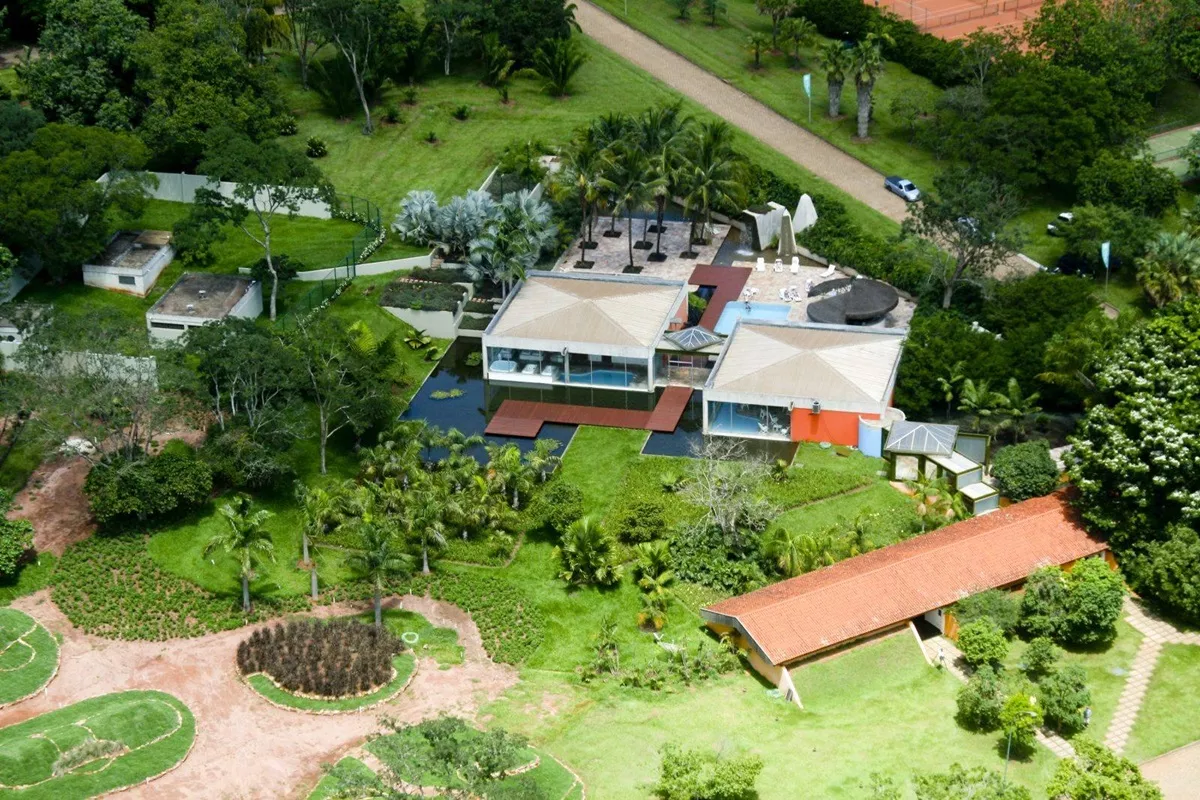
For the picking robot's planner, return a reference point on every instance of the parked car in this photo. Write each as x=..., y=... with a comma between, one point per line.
x=1058, y=227
x=903, y=187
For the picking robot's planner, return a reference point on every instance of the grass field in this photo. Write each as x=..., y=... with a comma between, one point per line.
x=440, y=644
x=404, y=664
x=28, y=656
x=155, y=729
x=596, y=461
x=31, y=577
x=1170, y=713
x=891, y=510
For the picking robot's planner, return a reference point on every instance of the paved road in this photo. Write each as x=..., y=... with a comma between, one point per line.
x=809, y=151
x=1176, y=772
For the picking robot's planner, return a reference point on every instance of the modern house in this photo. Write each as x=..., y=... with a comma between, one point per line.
x=781, y=625
x=801, y=381
x=199, y=298
x=596, y=330
x=131, y=263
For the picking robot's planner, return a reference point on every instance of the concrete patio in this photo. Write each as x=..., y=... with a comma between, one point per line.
x=612, y=253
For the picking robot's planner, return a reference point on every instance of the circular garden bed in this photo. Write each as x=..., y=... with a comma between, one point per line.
x=325, y=667
x=28, y=656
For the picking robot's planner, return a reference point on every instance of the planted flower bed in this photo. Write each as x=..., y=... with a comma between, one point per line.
x=403, y=293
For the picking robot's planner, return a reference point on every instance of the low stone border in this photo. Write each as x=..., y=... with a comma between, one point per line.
x=53, y=675
x=329, y=711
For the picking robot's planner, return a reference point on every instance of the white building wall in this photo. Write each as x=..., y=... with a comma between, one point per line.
x=937, y=618
x=104, y=277
x=168, y=327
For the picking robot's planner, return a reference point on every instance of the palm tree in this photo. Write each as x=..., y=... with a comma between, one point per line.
x=713, y=174
x=978, y=400
x=243, y=535
x=322, y=510
x=509, y=472
x=817, y=550
x=543, y=459
x=1170, y=269
x=379, y=560
x=633, y=187
x=587, y=555
x=756, y=43
x=949, y=383
x=798, y=33
x=661, y=131
x=580, y=175
x=556, y=62
x=836, y=61
x=937, y=503
x=867, y=66
x=1017, y=408
x=785, y=547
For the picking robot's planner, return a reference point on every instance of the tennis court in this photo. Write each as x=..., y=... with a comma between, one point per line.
x=953, y=19
x=1167, y=148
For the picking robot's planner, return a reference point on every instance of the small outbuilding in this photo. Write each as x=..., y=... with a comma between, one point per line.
x=199, y=298
x=131, y=263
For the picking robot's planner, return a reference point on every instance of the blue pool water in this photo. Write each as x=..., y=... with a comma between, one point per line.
x=603, y=377
x=753, y=312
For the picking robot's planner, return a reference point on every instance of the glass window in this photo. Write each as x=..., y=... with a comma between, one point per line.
x=127, y=280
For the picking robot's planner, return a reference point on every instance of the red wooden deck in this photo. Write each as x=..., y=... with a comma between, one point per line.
x=729, y=282
x=525, y=418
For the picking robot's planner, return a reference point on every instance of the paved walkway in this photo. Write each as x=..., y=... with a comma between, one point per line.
x=1177, y=773
x=1155, y=633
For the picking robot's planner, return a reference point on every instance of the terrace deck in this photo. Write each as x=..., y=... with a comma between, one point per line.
x=525, y=418
x=728, y=281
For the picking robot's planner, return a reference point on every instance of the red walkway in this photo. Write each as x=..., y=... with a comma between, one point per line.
x=525, y=418
x=729, y=282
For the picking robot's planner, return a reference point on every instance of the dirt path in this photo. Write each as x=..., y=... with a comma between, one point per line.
x=1177, y=773
x=246, y=748
x=54, y=502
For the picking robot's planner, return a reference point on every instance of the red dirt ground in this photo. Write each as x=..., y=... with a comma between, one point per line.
x=54, y=502
x=954, y=19
x=245, y=747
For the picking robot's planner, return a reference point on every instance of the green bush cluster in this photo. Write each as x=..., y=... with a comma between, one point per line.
x=239, y=461
x=474, y=323
x=109, y=586
x=982, y=642
x=643, y=485
x=440, y=274
x=174, y=480
x=403, y=293
x=557, y=506
x=1080, y=607
x=1025, y=470
x=994, y=604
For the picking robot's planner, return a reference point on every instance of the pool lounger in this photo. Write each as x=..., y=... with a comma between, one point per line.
x=503, y=366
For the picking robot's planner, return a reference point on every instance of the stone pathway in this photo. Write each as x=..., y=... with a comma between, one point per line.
x=1156, y=633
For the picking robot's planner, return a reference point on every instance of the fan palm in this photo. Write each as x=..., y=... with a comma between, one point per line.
x=866, y=67
x=379, y=561
x=798, y=33
x=586, y=553
x=836, y=61
x=243, y=537
x=756, y=43
x=979, y=401
x=1170, y=269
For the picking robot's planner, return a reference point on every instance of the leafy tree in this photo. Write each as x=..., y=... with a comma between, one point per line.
x=908, y=108
x=1127, y=231
x=1020, y=718
x=1095, y=595
x=17, y=126
x=451, y=17
x=143, y=489
x=559, y=505
x=837, y=62
x=362, y=31
x=305, y=33
x=979, y=702
x=797, y=33
x=937, y=342
x=977, y=783
x=982, y=642
x=713, y=9
x=778, y=11
x=867, y=66
x=1040, y=657
x=985, y=49
x=53, y=210
x=1168, y=572
x=1025, y=470
x=16, y=537
x=1074, y=354
x=83, y=74
x=1097, y=772
x=1043, y=602
x=994, y=604
x=967, y=218
x=1132, y=183
x=701, y=775
x=1170, y=268
x=524, y=26
x=587, y=554
x=755, y=44
x=379, y=560
x=244, y=537
x=1064, y=694
x=557, y=62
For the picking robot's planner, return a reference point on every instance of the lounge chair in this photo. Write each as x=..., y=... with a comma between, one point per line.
x=828, y=273
x=783, y=294
x=778, y=265
x=795, y=265
x=761, y=265
x=762, y=428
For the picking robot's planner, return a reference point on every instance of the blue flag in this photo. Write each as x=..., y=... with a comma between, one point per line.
x=1105, y=249
x=808, y=84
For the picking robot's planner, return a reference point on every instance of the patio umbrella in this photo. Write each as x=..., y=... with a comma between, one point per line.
x=787, y=237
x=806, y=214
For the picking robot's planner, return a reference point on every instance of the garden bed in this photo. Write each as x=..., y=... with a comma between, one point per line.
x=422, y=296
x=28, y=656
x=403, y=665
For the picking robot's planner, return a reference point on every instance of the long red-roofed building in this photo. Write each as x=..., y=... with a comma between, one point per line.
x=796, y=619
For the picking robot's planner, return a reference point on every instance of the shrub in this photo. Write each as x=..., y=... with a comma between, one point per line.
x=701, y=556
x=1063, y=696
x=410, y=95
x=461, y=113
x=402, y=293
x=1132, y=183
x=441, y=275
x=1043, y=602
x=239, y=461
x=1097, y=772
x=148, y=488
x=392, y=115
x=16, y=537
x=641, y=520
x=704, y=775
x=982, y=642
x=587, y=554
x=1168, y=573
x=1095, y=595
x=286, y=268
x=315, y=147
x=980, y=700
x=1041, y=657
x=475, y=323
x=431, y=137
x=287, y=125
x=1025, y=470
x=558, y=505
x=993, y=604
x=1019, y=719
x=341, y=658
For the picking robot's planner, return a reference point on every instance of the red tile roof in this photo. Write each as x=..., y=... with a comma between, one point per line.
x=874, y=591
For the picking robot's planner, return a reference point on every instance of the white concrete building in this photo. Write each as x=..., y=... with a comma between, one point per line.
x=131, y=263
x=200, y=298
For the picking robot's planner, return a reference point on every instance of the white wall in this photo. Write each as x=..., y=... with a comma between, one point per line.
x=180, y=187
x=439, y=324
x=937, y=618
x=249, y=307
x=104, y=277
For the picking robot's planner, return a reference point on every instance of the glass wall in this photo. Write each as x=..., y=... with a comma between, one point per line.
x=686, y=369
x=744, y=419
x=613, y=371
x=543, y=366
x=534, y=365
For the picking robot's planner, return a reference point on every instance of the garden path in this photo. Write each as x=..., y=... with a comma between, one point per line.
x=1155, y=633
x=239, y=752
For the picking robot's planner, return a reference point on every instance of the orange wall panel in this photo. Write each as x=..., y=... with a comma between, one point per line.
x=839, y=427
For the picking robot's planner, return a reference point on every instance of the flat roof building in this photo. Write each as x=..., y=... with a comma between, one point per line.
x=200, y=298
x=131, y=263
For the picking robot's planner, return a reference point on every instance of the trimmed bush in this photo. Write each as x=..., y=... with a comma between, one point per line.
x=152, y=487
x=641, y=520
x=316, y=147
x=1063, y=696
x=980, y=700
x=440, y=274
x=982, y=642
x=1025, y=470
x=558, y=505
x=341, y=658
x=475, y=323
x=402, y=293
x=1041, y=657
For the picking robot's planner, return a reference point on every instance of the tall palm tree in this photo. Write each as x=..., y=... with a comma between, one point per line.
x=244, y=537
x=662, y=131
x=580, y=175
x=798, y=33
x=949, y=383
x=836, y=61
x=755, y=44
x=866, y=67
x=379, y=561
x=633, y=181
x=607, y=130
x=1171, y=268
x=509, y=472
x=979, y=401
x=322, y=509
x=785, y=546
x=713, y=174
x=543, y=458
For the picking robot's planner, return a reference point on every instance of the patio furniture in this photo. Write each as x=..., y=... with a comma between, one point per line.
x=762, y=428
x=503, y=366
x=795, y=265
x=779, y=265
x=783, y=294
x=754, y=291
x=506, y=355
x=530, y=369
x=828, y=273
x=761, y=265
x=550, y=371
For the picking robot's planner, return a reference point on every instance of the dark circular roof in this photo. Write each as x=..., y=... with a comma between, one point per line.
x=851, y=301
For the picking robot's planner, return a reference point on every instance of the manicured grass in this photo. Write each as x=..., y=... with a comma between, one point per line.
x=892, y=513
x=348, y=767
x=440, y=644
x=818, y=473
x=404, y=664
x=596, y=462
x=1170, y=713
x=157, y=729
x=876, y=708
x=28, y=655
x=411, y=738
x=8, y=79
x=31, y=577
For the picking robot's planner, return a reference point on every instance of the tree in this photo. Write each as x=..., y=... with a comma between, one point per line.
x=1025, y=470
x=966, y=220
x=270, y=180
x=797, y=33
x=557, y=62
x=837, y=62
x=634, y=185
x=977, y=783
x=1095, y=596
x=756, y=43
x=558, y=505
x=724, y=481
x=985, y=49
x=994, y=604
x=379, y=560
x=662, y=131
x=1017, y=408
x=509, y=472
x=937, y=503
x=908, y=108
x=362, y=31
x=1043, y=602
x=305, y=33
x=245, y=538
x=867, y=65
x=1167, y=572
x=713, y=9
x=525, y=25
x=53, y=209
x=1020, y=718
x=18, y=124
x=778, y=11
x=1040, y=658
x=322, y=511
x=704, y=775
x=587, y=555
x=1132, y=183
x=16, y=537
x=1170, y=268
x=1097, y=772
x=581, y=175
x=786, y=546
x=451, y=17
x=83, y=74
x=981, y=402
x=712, y=177
x=512, y=241
x=1064, y=694
x=979, y=702
x=982, y=642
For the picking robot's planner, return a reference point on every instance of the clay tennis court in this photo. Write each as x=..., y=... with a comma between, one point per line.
x=953, y=19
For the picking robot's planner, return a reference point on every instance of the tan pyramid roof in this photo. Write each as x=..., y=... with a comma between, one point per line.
x=630, y=312
x=831, y=364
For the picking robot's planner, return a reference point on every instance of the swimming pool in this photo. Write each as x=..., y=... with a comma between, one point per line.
x=606, y=377
x=753, y=312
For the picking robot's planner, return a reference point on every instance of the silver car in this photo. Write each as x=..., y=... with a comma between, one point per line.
x=903, y=187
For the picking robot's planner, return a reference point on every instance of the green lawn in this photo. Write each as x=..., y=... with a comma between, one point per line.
x=349, y=767
x=892, y=511
x=22, y=460
x=31, y=577
x=440, y=644
x=596, y=461
x=1178, y=104
x=8, y=79
x=1170, y=713
x=28, y=656
x=156, y=728
x=404, y=664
